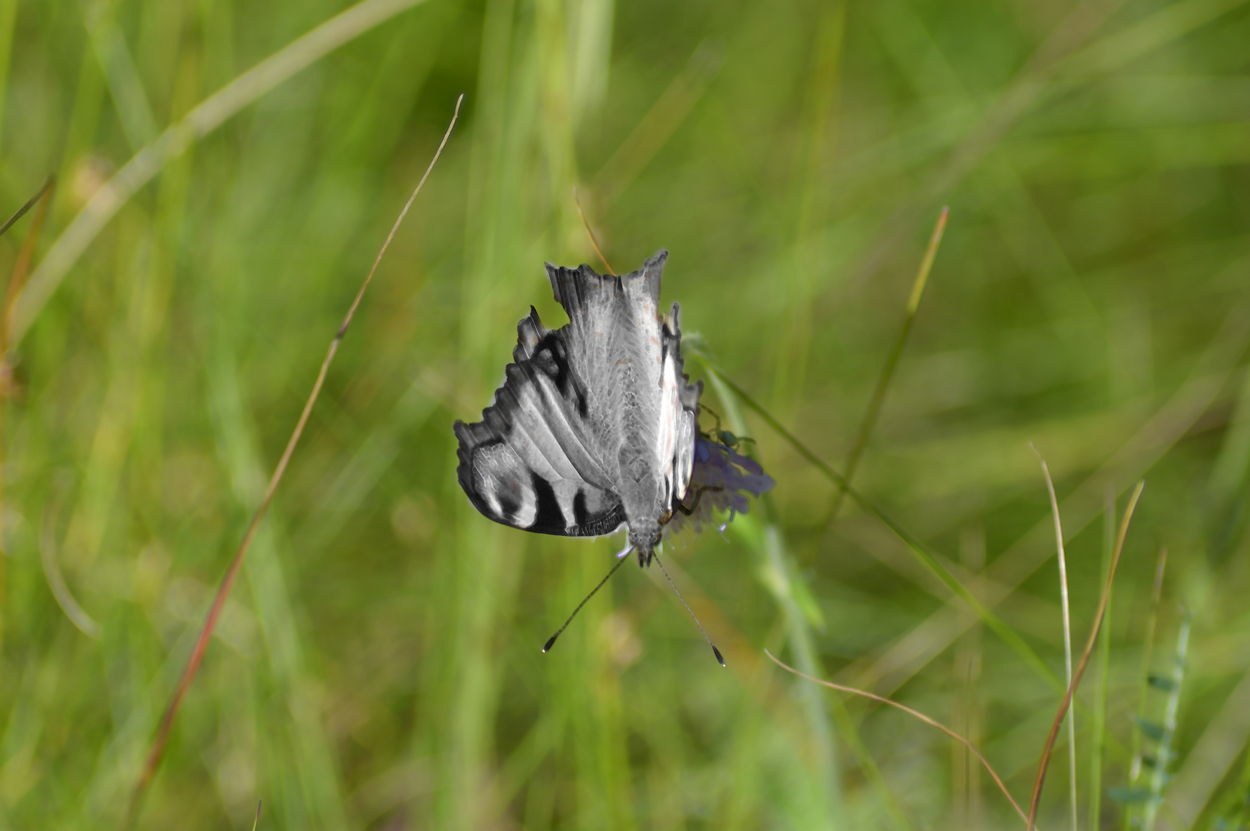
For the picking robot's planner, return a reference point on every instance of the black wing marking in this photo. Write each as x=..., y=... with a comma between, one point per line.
x=531, y=462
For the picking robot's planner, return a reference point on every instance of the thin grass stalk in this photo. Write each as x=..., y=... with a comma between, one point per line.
x=1159, y=777
x=8, y=387
x=1104, y=677
x=872, y=771
x=47, y=185
x=205, y=117
x=969, y=665
x=52, y=572
x=780, y=564
x=1089, y=648
x=927, y=558
x=232, y=571
x=1067, y=630
x=593, y=241
x=915, y=714
x=869, y=421
x=1143, y=684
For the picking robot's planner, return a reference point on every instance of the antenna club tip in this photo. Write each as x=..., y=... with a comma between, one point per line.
x=549, y=644
x=716, y=652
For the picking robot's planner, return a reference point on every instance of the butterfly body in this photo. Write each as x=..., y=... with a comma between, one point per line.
x=595, y=423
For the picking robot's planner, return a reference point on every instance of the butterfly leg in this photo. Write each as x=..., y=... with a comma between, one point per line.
x=699, y=495
x=713, y=414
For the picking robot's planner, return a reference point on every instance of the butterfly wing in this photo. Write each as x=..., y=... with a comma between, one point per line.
x=582, y=404
x=630, y=355
x=532, y=462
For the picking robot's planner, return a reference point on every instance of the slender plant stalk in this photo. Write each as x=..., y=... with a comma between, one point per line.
x=1159, y=777
x=52, y=572
x=1089, y=648
x=872, y=772
x=887, y=372
x=227, y=582
x=784, y=584
x=927, y=558
x=1152, y=622
x=594, y=242
x=1104, y=677
x=1067, y=630
x=30, y=203
x=931, y=722
x=17, y=279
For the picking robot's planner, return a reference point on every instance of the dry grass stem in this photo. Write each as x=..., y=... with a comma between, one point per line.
x=227, y=582
x=1067, y=627
x=21, y=212
x=1089, y=648
x=8, y=384
x=932, y=723
x=21, y=266
x=594, y=242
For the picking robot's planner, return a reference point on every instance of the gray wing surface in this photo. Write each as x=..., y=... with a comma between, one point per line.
x=530, y=463
x=544, y=457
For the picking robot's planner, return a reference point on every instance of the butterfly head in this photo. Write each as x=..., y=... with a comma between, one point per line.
x=645, y=538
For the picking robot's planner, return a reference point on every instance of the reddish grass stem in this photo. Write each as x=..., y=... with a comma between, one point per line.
x=17, y=279
x=30, y=203
x=1089, y=648
x=227, y=582
x=594, y=242
x=21, y=266
x=916, y=714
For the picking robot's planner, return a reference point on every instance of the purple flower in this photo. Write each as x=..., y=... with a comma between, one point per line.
x=720, y=481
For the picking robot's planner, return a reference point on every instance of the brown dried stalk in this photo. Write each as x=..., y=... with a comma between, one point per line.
x=916, y=714
x=1089, y=648
x=227, y=582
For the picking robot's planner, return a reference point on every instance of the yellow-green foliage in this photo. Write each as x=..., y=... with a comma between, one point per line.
x=378, y=663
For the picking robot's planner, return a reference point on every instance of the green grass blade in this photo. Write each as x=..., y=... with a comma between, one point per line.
x=781, y=578
x=1099, y=726
x=887, y=372
x=917, y=548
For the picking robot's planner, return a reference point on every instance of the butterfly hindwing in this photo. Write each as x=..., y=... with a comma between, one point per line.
x=527, y=463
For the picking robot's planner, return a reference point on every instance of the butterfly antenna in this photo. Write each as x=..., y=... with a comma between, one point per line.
x=551, y=641
x=715, y=651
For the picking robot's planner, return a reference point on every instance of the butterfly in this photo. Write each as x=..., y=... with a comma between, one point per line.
x=594, y=427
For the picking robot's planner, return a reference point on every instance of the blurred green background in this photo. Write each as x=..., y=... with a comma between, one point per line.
x=378, y=665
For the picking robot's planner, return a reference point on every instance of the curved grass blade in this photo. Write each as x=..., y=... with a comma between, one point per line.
x=887, y=372
x=207, y=116
x=932, y=723
x=1099, y=727
x=1089, y=648
x=1067, y=629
